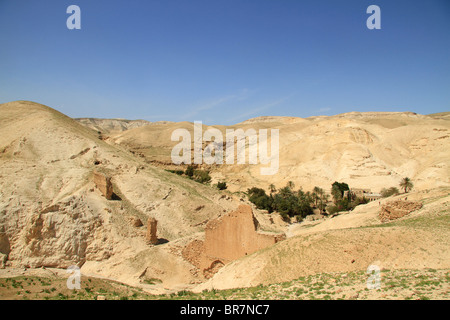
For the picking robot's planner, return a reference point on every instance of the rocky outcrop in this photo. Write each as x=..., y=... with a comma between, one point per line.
x=103, y=183
x=5, y=248
x=135, y=222
x=397, y=209
x=228, y=238
x=109, y=126
x=61, y=235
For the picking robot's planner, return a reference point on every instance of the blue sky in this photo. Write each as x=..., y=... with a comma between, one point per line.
x=224, y=61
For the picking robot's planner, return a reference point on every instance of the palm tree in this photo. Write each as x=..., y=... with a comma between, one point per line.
x=406, y=184
x=319, y=197
x=309, y=196
x=336, y=193
x=316, y=194
x=324, y=198
x=291, y=185
x=272, y=188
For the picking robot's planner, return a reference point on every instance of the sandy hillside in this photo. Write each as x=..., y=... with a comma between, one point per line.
x=352, y=147
x=111, y=126
x=52, y=215
x=350, y=242
x=108, y=127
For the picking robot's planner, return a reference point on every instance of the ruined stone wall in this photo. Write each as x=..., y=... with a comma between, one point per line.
x=151, y=231
x=194, y=252
x=228, y=238
x=103, y=183
x=235, y=235
x=397, y=209
x=5, y=247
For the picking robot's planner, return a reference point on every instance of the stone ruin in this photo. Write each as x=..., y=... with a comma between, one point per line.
x=228, y=238
x=103, y=183
x=151, y=231
x=5, y=247
x=397, y=209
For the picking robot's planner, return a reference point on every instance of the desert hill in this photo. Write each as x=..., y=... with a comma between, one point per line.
x=109, y=126
x=350, y=242
x=115, y=126
x=353, y=147
x=52, y=215
x=440, y=115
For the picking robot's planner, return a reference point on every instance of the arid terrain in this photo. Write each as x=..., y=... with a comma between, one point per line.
x=53, y=215
x=316, y=151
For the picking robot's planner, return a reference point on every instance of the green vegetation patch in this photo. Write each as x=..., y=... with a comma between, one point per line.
x=426, y=284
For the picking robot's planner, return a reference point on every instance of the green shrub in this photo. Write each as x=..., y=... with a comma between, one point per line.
x=202, y=176
x=287, y=202
x=178, y=172
x=260, y=199
x=285, y=217
x=389, y=192
x=221, y=185
x=332, y=209
x=183, y=293
x=189, y=171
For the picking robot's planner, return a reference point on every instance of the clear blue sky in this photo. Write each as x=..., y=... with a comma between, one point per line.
x=224, y=61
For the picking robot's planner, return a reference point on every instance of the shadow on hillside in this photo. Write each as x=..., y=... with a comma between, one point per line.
x=115, y=197
x=162, y=241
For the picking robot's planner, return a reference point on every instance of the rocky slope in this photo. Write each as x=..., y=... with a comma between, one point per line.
x=371, y=150
x=351, y=242
x=111, y=125
x=52, y=215
x=114, y=126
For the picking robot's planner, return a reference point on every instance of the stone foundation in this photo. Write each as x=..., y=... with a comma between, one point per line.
x=397, y=209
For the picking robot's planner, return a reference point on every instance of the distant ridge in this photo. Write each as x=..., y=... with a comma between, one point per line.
x=365, y=149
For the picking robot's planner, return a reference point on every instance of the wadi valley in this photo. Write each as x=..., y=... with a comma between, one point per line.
x=104, y=195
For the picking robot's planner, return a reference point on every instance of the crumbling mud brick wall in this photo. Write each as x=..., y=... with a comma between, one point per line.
x=397, y=209
x=235, y=235
x=228, y=238
x=103, y=183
